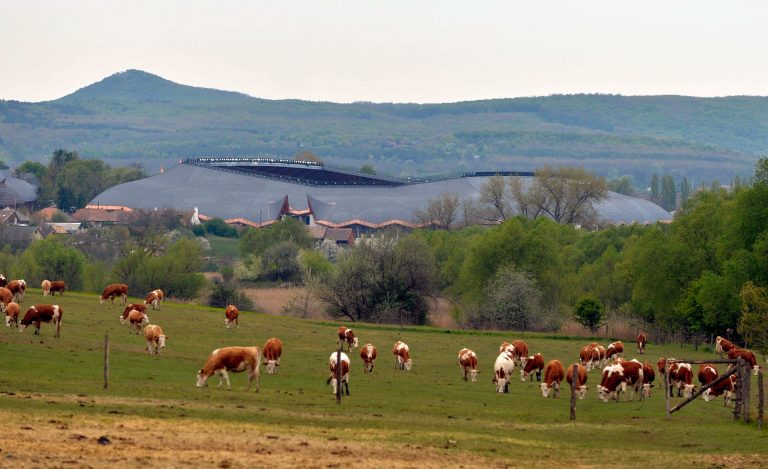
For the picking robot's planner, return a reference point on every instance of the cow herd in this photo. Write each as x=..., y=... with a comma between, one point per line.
x=12, y=295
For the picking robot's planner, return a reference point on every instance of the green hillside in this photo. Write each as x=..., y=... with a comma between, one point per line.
x=138, y=117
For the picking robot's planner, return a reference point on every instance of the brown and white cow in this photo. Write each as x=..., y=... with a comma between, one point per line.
x=648, y=377
x=155, y=338
x=581, y=379
x=747, y=355
x=602, y=354
x=642, y=341
x=534, y=362
x=42, y=313
x=723, y=345
x=154, y=298
x=130, y=307
x=3, y=281
x=468, y=363
x=346, y=335
x=273, y=350
x=45, y=285
x=521, y=351
x=114, y=290
x=368, y=355
x=18, y=288
x=231, y=315
x=332, y=365
x=661, y=365
x=57, y=286
x=12, y=314
x=586, y=356
x=617, y=377
x=615, y=350
x=231, y=359
x=507, y=347
x=502, y=371
x=402, y=356
x=726, y=388
x=553, y=376
x=6, y=297
x=684, y=380
x=137, y=319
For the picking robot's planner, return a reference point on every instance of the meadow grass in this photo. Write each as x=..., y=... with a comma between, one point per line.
x=430, y=406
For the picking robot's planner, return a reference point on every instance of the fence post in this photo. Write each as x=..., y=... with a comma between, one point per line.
x=106, y=361
x=667, y=389
x=745, y=395
x=573, y=391
x=739, y=391
x=760, y=399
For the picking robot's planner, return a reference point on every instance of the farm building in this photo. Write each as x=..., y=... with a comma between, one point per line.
x=258, y=191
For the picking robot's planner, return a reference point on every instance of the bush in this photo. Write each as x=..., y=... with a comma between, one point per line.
x=279, y=262
x=590, y=313
x=51, y=259
x=224, y=294
x=218, y=227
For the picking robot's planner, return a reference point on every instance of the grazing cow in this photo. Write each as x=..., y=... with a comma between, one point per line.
x=641, y=343
x=155, y=298
x=57, y=286
x=521, y=351
x=18, y=288
x=234, y=359
x=130, y=307
x=402, y=356
x=615, y=350
x=137, y=319
x=42, y=313
x=332, y=378
x=114, y=290
x=507, y=347
x=581, y=379
x=502, y=371
x=586, y=357
x=468, y=363
x=723, y=345
x=616, y=378
x=368, y=355
x=553, y=376
x=155, y=338
x=46, y=287
x=3, y=281
x=534, y=362
x=747, y=355
x=707, y=373
x=273, y=349
x=602, y=354
x=346, y=335
x=648, y=377
x=684, y=380
x=231, y=314
x=661, y=365
x=12, y=314
x=726, y=387
x=6, y=297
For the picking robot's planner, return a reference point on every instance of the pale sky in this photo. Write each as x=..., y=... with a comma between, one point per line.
x=389, y=50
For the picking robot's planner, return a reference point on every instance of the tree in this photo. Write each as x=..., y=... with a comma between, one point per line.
x=307, y=155
x=668, y=195
x=753, y=323
x=623, y=185
x=279, y=261
x=685, y=190
x=493, y=195
x=367, y=169
x=33, y=167
x=655, y=189
x=51, y=259
x=590, y=313
x=256, y=240
x=761, y=170
x=512, y=300
x=441, y=213
x=567, y=194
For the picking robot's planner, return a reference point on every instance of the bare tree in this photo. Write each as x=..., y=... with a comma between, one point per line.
x=566, y=194
x=493, y=195
x=470, y=212
x=442, y=212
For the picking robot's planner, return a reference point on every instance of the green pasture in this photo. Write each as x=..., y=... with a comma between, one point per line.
x=429, y=406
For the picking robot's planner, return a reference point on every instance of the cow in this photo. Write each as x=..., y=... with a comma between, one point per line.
x=57, y=286
x=648, y=377
x=534, y=362
x=502, y=371
x=154, y=298
x=273, y=349
x=553, y=376
x=368, y=355
x=137, y=319
x=723, y=345
x=45, y=285
x=6, y=297
x=12, y=314
x=602, y=355
x=581, y=379
x=586, y=357
x=114, y=290
x=130, y=307
x=684, y=380
x=468, y=363
x=346, y=335
x=661, y=365
x=234, y=359
x=747, y=355
x=155, y=339
x=617, y=377
x=726, y=387
x=3, y=281
x=521, y=351
x=332, y=365
x=641, y=343
x=231, y=314
x=402, y=356
x=615, y=350
x=18, y=288
x=507, y=347
x=42, y=313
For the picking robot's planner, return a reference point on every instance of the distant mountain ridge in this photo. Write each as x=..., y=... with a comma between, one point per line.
x=135, y=116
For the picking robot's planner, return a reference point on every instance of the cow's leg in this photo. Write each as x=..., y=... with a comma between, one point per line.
x=58, y=327
x=224, y=377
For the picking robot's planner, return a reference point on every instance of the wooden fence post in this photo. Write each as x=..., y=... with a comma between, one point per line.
x=667, y=389
x=760, y=399
x=106, y=361
x=739, y=391
x=745, y=395
x=573, y=391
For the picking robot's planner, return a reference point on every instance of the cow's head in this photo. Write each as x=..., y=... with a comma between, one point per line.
x=407, y=364
x=756, y=369
x=545, y=390
x=101, y=299
x=582, y=391
x=524, y=375
x=687, y=390
x=161, y=340
x=7, y=320
x=646, y=391
x=708, y=396
x=227, y=323
x=472, y=375
x=271, y=366
x=202, y=379
x=501, y=383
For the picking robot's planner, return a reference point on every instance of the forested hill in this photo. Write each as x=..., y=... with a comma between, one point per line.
x=135, y=116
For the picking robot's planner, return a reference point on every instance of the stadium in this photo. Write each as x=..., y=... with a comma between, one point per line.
x=258, y=191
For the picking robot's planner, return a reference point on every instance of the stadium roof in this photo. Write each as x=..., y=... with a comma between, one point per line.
x=229, y=193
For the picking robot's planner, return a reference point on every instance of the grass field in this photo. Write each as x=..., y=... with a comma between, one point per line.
x=53, y=407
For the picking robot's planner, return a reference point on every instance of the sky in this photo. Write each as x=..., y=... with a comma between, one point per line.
x=389, y=51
